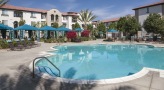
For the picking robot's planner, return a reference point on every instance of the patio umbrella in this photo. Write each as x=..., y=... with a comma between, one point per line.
x=78, y=29
x=26, y=27
x=48, y=28
x=63, y=29
x=113, y=31
x=3, y=29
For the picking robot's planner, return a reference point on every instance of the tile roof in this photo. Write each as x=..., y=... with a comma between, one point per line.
x=111, y=20
x=154, y=4
x=7, y=6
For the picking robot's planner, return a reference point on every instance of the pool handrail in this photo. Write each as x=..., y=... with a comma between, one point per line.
x=45, y=59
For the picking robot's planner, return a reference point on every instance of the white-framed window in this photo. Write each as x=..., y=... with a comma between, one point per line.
x=33, y=15
x=4, y=12
x=5, y=22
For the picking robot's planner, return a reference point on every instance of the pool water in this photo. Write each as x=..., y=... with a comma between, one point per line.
x=95, y=62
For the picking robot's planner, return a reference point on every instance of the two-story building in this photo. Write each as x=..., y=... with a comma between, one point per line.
x=10, y=15
x=141, y=13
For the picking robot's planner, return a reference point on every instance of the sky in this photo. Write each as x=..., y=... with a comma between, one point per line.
x=103, y=9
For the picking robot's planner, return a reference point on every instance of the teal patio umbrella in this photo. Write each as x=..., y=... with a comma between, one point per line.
x=113, y=31
x=47, y=28
x=25, y=27
x=78, y=29
x=63, y=29
x=3, y=29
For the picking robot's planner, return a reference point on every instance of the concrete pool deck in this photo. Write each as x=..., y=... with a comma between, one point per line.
x=15, y=74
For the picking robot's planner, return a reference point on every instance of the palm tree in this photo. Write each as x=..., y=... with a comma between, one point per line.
x=85, y=17
x=3, y=2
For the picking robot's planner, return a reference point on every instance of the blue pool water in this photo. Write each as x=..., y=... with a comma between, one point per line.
x=95, y=62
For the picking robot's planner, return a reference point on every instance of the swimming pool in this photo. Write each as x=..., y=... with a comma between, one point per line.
x=95, y=62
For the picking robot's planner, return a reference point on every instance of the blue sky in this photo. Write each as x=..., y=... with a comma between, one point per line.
x=103, y=9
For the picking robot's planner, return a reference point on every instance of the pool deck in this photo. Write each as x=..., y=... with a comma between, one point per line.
x=15, y=74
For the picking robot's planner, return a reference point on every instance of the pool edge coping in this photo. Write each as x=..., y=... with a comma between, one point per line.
x=137, y=75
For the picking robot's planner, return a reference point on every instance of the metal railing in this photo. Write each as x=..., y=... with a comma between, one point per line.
x=45, y=59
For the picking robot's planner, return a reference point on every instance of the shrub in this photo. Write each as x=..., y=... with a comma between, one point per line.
x=84, y=38
x=71, y=35
x=85, y=33
x=4, y=44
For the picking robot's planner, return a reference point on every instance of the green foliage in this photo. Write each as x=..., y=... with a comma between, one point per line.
x=84, y=38
x=86, y=16
x=128, y=25
x=90, y=27
x=113, y=26
x=132, y=26
x=43, y=24
x=55, y=25
x=3, y=44
x=121, y=24
x=153, y=23
x=76, y=25
x=21, y=22
x=101, y=27
x=51, y=40
x=3, y=2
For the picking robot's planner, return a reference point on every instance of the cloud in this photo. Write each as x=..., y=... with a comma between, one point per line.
x=111, y=12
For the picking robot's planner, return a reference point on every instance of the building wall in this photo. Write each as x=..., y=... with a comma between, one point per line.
x=143, y=13
x=26, y=16
x=54, y=12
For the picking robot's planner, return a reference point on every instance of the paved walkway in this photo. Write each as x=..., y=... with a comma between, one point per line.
x=15, y=74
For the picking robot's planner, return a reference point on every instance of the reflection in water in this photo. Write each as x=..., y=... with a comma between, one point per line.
x=105, y=61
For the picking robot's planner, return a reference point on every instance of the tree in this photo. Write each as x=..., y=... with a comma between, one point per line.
x=43, y=24
x=76, y=25
x=153, y=23
x=131, y=26
x=85, y=17
x=113, y=25
x=121, y=24
x=21, y=22
x=3, y=2
x=101, y=27
x=55, y=25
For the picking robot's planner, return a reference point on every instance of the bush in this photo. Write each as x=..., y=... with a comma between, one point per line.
x=84, y=38
x=51, y=40
x=71, y=35
x=4, y=44
x=78, y=39
x=85, y=33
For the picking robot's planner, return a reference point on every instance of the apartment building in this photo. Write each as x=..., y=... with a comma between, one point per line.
x=141, y=13
x=10, y=15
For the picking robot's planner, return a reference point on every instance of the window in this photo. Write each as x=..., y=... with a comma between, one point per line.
x=74, y=19
x=18, y=14
x=57, y=17
x=43, y=16
x=147, y=10
x=52, y=17
x=33, y=15
x=4, y=12
x=5, y=22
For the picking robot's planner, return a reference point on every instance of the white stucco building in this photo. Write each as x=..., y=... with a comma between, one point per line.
x=141, y=13
x=10, y=15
